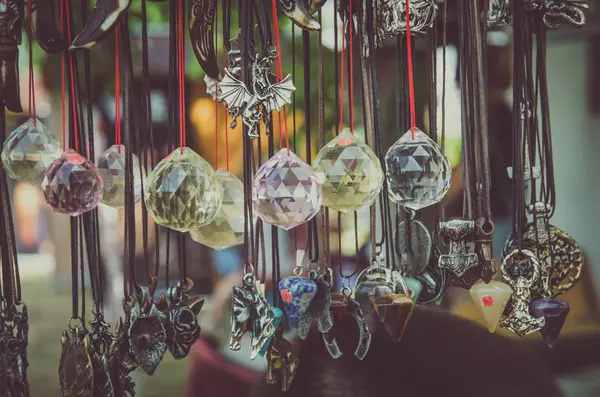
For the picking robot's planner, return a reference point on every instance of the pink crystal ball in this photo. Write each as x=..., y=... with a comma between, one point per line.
x=72, y=184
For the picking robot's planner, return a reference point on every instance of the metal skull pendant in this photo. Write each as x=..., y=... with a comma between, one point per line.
x=183, y=329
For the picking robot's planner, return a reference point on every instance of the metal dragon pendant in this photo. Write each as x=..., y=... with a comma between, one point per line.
x=250, y=309
x=14, y=329
x=253, y=102
x=519, y=320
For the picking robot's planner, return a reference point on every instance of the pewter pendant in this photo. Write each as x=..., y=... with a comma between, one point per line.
x=14, y=330
x=553, y=12
x=319, y=309
x=183, y=329
x=101, y=339
x=456, y=233
x=519, y=320
x=413, y=246
x=75, y=369
x=342, y=306
x=120, y=360
x=282, y=363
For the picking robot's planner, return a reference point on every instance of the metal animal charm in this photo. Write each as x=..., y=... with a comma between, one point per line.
x=519, y=320
x=183, y=328
x=76, y=370
x=14, y=330
x=319, y=309
x=282, y=363
x=554, y=12
x=120, y=361
x=250, y=306
x=11, y=18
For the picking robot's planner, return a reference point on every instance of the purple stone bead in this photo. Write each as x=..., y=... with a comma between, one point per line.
x=72, y=184
x=555, y=312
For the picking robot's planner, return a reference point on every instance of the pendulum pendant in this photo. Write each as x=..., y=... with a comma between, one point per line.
x=491, y=299
x=13, y=356
x=75, y=369
x=251, y=312
x=227, y=228
x=418, y=173
x=350, y=173
x=519, y=320
x=72, y=184
x=282, y=363
x=394, y=312
x=111, y=165
x=285, y=191
x=183, y=192
x=414, y=288
x=319, y=308
x=554, y=312
x=28, y=152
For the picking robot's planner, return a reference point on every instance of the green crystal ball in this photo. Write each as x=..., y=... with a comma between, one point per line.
x=111, y=165
x=350, y=173
x=183, y=191
x=227, y=228
x=28, y=152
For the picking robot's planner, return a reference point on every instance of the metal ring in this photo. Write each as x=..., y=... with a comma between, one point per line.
x=346, y=291
x=298, y=271
x=313, y=274
x=70, y=323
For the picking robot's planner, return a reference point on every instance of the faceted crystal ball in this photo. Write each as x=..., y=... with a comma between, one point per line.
x=111, y=165
x=183, y=192
x=28, y=152
x=72, y=184
x=227, y=228
x=286, y=192
x=418, y=172
x=350, y=172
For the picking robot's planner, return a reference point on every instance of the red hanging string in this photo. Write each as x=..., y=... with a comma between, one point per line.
x=31, y=109
x=279, y=75
x=350, y=71
x=62, y=78
x=181, y=42
x=411, y=87
x=117, y=92
x=72, y=83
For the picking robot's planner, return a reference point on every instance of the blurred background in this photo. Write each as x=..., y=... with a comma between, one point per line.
x=44, y=249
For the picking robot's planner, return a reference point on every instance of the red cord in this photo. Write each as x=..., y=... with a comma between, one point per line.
x=72, y=81
x=181, y=42
x=31, y=74
x=279, y=75
x=350, y=71
x=117, y=92
x=411, y=87
x=62, y=77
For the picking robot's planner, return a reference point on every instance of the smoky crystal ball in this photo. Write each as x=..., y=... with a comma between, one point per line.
x=183, y=192
x=286, y=192
x=72, y=184
x=227, y=228
x=111, y=165
x=28, y=152
x=418, y=173
x=350, y=173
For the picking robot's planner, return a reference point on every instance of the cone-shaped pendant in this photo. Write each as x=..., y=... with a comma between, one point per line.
x=350, y=173
x=286, y=192
x=227, y=228
x=72, y=184
x=183, y=192
x=418, y=172
x=28, y=152
x=394, y=312
x=491, y=299
x=555, y=313
x=297, y=293
x=111, y=165
x=415, y=287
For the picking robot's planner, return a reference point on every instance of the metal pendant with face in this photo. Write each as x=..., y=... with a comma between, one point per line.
x=319, y=308
x=147, y=333
x=75, y=369
x=519, y=320
x=183, y=329
x=14, y=329
x=282, y=363
x=413, y=245
x=251, y=309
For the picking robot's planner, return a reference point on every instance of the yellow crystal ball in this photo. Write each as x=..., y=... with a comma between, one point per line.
x=350, y=173
x=183, y=192
x=227, y=228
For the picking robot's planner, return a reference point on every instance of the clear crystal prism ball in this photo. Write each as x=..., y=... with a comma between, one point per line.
x=350, y=173
x=227, y=228
x=183, y=192
x=72, y=184
x=418, y=173
x=28, y=152
x=111, y=165
x=286, y=191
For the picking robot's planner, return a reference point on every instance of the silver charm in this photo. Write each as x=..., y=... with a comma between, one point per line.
x=256, y=101
x=14, y=330
x=519, y=320
x=456, y=232
x=183, y=329
x=250, y=306
x=554, y=12
x=319, y=309
x=434, y=280
x=499, y=13
x=413, y=246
